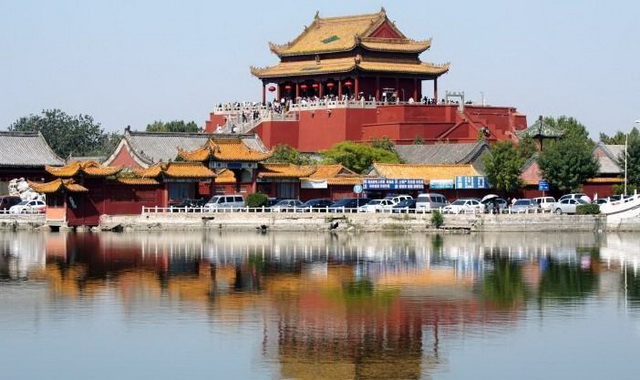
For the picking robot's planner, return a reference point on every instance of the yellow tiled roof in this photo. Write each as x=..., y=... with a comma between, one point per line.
x=330, y=34
x=606, y=180
x=150, y=172
x=411, y=68
x=286, y=171
x=137, y=181
x=224, y=150
x=177, y=170
x=90, y=168
x=57, y=185
x=402, y=45
x=225, y=176
x=343, y=65
x=335, y=175
x=425, y=172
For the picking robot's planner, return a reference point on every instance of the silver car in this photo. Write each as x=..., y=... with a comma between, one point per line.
x=568, y=205
x=525, y=205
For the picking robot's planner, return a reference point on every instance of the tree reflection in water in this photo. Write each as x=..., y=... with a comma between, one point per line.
x=567, y=281
x=504, y=286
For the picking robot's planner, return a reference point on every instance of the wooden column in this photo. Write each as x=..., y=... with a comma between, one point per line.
x=264, y=93
x=415, y=90
x=340, y=89
x=297, y=91
x=357, y=88
x=435, y=90
x=278, y=92
x=320, y=89
x=378, y=93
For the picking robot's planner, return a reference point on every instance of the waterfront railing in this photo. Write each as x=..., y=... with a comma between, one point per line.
x=324, y=210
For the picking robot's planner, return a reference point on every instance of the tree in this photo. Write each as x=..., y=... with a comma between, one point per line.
x=633, y=163
x=567, y=163
x=173, y=126
x=503, y=166
x=383, y=143
x=571, y=127
x=358, y=157
x=110, y=141
x=527, y=147
x=67, y=135
x=619, y=137
x=284, y=154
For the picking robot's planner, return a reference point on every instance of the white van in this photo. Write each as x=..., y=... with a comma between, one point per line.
x=546, y=203
x=234, y=201
x=430, y=201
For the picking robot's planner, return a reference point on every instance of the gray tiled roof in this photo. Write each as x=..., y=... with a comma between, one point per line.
x=152, y=147
x=27, y=149
x=434, y=154
x=609, y=161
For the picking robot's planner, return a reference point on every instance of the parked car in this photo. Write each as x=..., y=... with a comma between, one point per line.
x=568, y=205
x=377, y=205
x=488, y=205
x=430, y=201
x=546, y=203
x=463, y=205
x=347, y=204
x=29, y=207
x=582, y=196
x=190, y=204
x=398, y=198
x=8, y=201
x=525, y=205
x=406, y=206
x=234, y=201
x=286, y=205
x=319, y=204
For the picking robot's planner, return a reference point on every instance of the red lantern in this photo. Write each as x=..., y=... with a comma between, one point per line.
x=348, y=84
x=330, y=85
x=315, y=85
x=287, y=87
x=271, y=88
x=303, y=86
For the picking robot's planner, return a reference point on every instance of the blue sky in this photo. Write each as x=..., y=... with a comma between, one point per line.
x=132, y=62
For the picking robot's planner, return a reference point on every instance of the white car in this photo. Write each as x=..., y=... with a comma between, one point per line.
x=463, y=206
x=568, y=205
x=582, y=196
x=29, y=207
x=377, y=205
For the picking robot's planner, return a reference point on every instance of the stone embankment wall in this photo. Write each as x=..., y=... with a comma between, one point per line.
x=21, y=222
x=358, y=222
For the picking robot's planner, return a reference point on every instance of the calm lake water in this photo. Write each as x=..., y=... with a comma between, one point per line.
x=306, y=306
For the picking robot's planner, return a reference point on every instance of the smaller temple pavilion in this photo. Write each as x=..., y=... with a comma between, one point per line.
x=307, y=181
x=82, y=191
x=540, y=131
x=231, y=158
x=363, y=55
x=234, y=160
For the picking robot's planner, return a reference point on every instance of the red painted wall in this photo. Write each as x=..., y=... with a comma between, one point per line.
x=321, y=129
x=124, y=158
x=214, y=120
x=275, y=133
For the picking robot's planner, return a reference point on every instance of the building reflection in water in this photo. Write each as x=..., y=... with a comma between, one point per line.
x=339, y=306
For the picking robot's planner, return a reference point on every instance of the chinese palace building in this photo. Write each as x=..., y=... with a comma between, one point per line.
x=354, y=78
